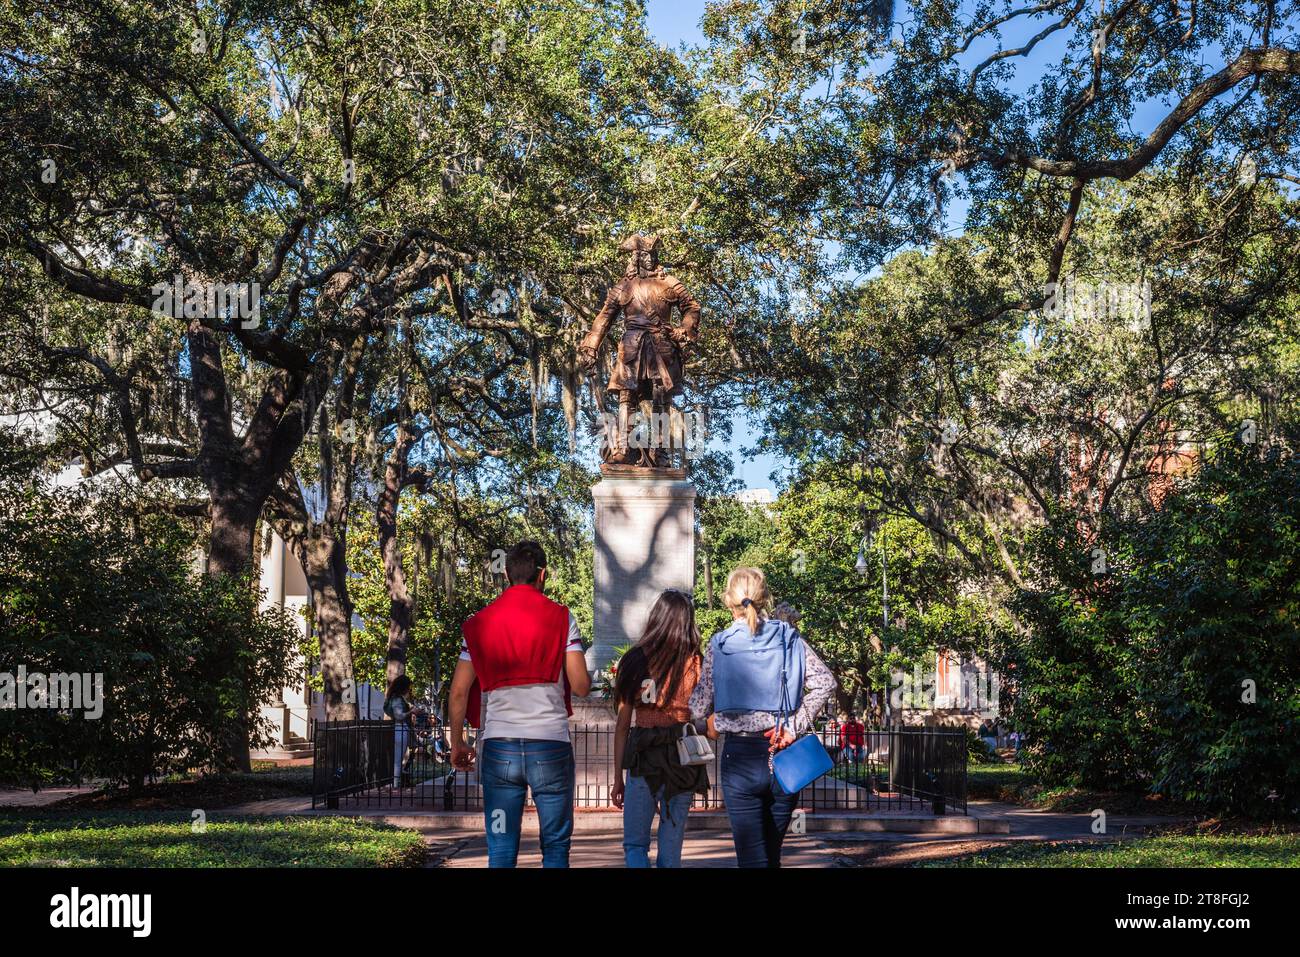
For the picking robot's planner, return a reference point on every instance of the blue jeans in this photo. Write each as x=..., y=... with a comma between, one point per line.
x=639, y=807
x=759, y=811
x=401, y=736
x=508, y=768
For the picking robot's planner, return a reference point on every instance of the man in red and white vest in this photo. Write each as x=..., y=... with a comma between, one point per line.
x=525, y=652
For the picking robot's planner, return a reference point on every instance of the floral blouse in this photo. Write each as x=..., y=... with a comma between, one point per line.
x=819, y=684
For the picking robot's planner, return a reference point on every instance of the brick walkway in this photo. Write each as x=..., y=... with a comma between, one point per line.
x=465, y=846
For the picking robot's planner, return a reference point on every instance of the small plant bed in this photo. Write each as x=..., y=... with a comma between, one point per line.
x=1075, y=800
x=1011, y=784
x=209, y=791
x=995, y=782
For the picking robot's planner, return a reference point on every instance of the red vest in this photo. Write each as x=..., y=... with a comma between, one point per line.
x=519, y=639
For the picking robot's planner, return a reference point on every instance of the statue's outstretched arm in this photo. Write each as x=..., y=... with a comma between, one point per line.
x=590, y=344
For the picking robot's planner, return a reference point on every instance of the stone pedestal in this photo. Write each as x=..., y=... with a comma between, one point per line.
x=644, y=543
x=593, y=711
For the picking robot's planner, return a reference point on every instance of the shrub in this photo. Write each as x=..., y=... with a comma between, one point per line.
x=92, y=583
x=1177, y=670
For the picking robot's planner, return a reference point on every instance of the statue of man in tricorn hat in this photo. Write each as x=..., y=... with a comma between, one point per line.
x=647, y=372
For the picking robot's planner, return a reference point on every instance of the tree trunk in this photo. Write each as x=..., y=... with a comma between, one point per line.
x=230, y=554
x=240, y=476
x=230, y=542
x=401, y=609
x=322, y=557
x=321, y=547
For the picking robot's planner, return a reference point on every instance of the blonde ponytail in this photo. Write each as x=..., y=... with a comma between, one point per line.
x=747, y=593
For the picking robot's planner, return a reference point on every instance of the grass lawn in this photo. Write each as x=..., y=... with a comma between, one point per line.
x=135, y=839
x=1226, y=850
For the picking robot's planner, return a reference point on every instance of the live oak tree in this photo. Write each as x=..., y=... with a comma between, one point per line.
x=1084, y=408
x=952, y=387
x=950, y=374
x=1022, y=109
x=461, y=415
x=350, y=163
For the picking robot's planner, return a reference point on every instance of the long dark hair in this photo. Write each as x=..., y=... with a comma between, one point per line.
x=398, y=689
x=667, y=645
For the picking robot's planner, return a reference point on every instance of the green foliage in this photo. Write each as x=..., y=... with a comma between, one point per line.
x=454, y=567
x=607, y=679
x=808, y=544
x=1144, y=674
x=977, y=751
x=102, y=584
x=994, y=782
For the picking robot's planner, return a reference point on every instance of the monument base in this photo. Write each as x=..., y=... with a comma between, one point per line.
x=593, y=711
x=644, y=544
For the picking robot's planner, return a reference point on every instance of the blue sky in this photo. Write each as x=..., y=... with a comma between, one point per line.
x=673, y=21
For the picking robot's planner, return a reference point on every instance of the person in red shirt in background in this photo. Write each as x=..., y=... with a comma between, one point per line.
x=526, y=654
x=852, y=740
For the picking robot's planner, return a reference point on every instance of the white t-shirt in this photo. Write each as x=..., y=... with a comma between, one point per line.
x=528, y=711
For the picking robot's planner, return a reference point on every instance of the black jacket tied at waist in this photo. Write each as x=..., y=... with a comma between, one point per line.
x=651, y=753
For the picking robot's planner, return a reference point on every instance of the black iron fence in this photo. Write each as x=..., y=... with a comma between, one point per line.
x=375, y=764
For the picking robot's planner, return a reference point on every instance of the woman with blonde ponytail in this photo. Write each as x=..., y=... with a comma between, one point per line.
x=747, y=591
x=755, y=670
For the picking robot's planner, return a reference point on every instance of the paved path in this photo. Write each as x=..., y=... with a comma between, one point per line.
x=605, y=849
x=20, y=798
x=289, y=805
x=820, y=849
x=466, y=847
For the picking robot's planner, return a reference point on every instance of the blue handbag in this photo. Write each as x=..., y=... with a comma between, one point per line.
x=799, y=765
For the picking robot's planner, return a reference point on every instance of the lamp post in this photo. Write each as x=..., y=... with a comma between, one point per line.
x=870, y=521
x=862, y=566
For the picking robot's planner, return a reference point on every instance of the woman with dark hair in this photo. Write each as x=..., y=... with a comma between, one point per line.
x=397, y=705
x=653, y=691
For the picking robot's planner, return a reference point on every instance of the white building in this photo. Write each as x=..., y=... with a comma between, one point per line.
x=284, y=585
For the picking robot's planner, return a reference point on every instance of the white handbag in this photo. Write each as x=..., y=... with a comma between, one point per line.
x=693, y=747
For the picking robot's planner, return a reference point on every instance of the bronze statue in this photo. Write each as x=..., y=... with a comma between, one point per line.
x=647, y=369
